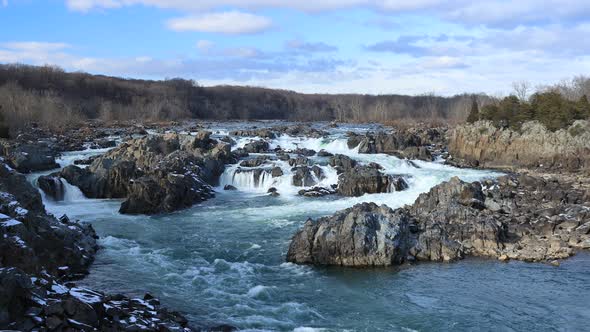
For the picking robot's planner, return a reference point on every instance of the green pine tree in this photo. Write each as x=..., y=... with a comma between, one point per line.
x=4, y=130
x=474, y=113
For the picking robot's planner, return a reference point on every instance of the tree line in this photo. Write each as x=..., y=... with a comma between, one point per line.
x=49, y=96
x=556, y=106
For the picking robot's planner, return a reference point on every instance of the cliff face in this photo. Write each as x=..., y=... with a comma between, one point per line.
x=482, y=144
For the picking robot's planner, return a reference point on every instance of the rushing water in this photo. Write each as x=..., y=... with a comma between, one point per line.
x=223, y=261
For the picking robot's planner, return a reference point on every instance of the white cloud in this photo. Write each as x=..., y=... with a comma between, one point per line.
x=496, y=13
x=32, y=46
x=205, y=45
x=232, y=22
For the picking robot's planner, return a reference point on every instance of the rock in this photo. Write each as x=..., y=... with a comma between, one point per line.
x=317, y=192
x=32, y=240
x=303, y=177
x=301, y=130
x=52, y=187
x=299, y=161
x=263, y=133
x=50, y=305
x=364, y=235
x=304, y=152
x=273, y=192
x=324, y=153
x=484, y=145
x=453, y=220
x=342, y=163
x=29, y=157
x=256, y=162
x=229, y=187
x=155, y=174
x=368, y=180
x=259, y=146
x=276, y=172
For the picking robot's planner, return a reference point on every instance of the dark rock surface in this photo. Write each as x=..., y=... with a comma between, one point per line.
x=516, y=217
x=368, y=179
x=52, y=186
x=155, y=174
x=29, y=157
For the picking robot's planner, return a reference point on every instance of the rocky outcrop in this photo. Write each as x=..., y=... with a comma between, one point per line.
x=364, y=235
x=259, y=146
x=263, y=133
x=362, y=180
x=482, y=144
x=43, y=303
x=34, y=241
x=154, y=174
x=52, y=186
x=28, y=157
x=412, y=143
x=515, y=217
x=342, y=163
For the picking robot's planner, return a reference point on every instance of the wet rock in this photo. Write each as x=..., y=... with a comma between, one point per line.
x=32, y=240
x=304, y=152
x=299, y=161
x=263, y=133
x=229, y=187
x=368, y=180
x=47, y=304
x=303, y=176
x=342, y=163
x=28, y=157
x=317, y=192
x=454, y=220
x=155, y=174
x=257, y=147
x=276, y=172
x=256, y=162
x=324, y=153
x=52, y=187
x=364, y=235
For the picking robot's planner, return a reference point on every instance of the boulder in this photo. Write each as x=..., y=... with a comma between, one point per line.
x=362, y=180
x=342, y=163
x=28, y=157
x=52, y=187
x=364, y=235
x=259, y=146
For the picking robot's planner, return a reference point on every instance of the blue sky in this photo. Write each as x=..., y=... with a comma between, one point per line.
x=322, y=46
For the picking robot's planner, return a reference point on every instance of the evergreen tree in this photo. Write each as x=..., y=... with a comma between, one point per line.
x=474, y=113
x=583, y=108
x=4, y=130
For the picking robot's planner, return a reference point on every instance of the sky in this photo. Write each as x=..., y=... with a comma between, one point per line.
x=316, y=46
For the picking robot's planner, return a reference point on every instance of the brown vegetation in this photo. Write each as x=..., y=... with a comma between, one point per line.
x=49, y=96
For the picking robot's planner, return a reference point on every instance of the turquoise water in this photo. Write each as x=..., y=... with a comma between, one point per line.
x=223, y=261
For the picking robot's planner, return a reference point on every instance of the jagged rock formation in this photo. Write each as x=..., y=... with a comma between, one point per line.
x=155, y=174
x=34, y=241
x=28, y=157
x=482, y=144
x=414, y=143
x=368, y=179
x=515, y=217
x=43, y=303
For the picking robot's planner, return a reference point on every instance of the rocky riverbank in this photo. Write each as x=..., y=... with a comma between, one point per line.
x=533, y=147
x=40, y=255
x=516, y=217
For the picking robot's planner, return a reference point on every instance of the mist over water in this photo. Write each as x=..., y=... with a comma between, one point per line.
x=223, y=261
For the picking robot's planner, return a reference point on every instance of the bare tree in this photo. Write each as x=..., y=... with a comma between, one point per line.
x=521, y=90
